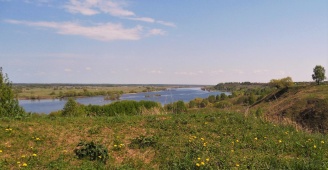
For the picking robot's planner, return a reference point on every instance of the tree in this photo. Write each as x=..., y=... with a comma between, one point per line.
x=72, y=108
x=318, y=74
x=9, y=106
x=281, y=83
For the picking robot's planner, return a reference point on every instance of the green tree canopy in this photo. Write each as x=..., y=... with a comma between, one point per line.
x=9, y=106
x=318, y=74
x=281, y=83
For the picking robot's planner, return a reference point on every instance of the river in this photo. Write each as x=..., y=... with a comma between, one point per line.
x=163, y=97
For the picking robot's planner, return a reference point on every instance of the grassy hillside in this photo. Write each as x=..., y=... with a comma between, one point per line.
x=203, y=139
x=305, y=105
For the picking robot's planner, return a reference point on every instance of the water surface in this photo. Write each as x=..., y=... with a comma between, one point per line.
x=163, y=97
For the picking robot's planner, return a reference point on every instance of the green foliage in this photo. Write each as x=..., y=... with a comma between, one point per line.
x=125, y=107
x=72, y=108
x=143, y=142
x=9, y=106
x=211, y=99
x=223, y=104
x=176, y=107
x=223, y=96
x=318, y=74
x=281, y=83
x=91, y=151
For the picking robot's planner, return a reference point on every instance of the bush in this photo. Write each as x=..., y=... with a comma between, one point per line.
x=72, y=108
x=91, y=151
x=176, y=107
x=281, y=83
x=9, y=106
x=223, y=104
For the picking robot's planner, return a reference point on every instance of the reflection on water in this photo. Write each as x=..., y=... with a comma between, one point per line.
x=163, y=97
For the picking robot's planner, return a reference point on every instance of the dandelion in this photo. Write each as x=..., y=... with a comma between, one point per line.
x=202, y=163
x=24, y=164
x=99, y=157
x=322, y=142
x=237, y=165
x=232, y=150
x=34, y=154
x=265, y=137
x=0, y=151
x=255, y=138
x=207, y=159
x=280, y=141
x=202, y=138
x=198, y=158
x=23, y=156
x=315, y=146
x=197, y=164
x=18, y=162
x=204, y=144
x=115, y=146
x=237, y=140
x=37, y=139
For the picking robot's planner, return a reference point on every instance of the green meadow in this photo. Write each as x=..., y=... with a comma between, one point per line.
x=200, y=139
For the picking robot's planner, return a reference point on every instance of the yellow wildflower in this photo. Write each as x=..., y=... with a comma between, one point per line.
x=197, y=164
x=204, y=144
x=37, y=138
x=315, y=146
x=202, y=138
x=255, y=138
x=115, y=145
x=203, y=163
x=18, y=162
x=237, y=140
x=24, y=164
x=23, y=156
x=237, y=165
x=207, y=159
x=322, y=142
x=0, y=151
x=198, y=158
x=34, y=154
x=280, y=141
x=99, y=157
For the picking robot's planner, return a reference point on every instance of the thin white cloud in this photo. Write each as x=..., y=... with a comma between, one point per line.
x=144, y=19
x=103, y=32
x=92, y=7
x=111, y=7
x=169, y=24
x=88, y=68
x=156, y=32
x=67, y=70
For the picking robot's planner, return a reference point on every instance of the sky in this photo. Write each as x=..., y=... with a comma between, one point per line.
x=162, y=42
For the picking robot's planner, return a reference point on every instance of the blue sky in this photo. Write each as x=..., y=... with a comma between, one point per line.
x=166, y=42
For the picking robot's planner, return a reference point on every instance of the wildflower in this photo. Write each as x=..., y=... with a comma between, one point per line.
x=24, y=164
x=202, y=163
x=205, y=123
x=237, y=140
x=255, y=138
x=202, y=138
x=34, y=154
x=198, y=158
x=237, y=165
x=204, y=144
x=265, y=137
x=18, y=162
x=37, y=138
x=197, y=164
x=99, y=157
x=115, y=146
x=65, y=151
x=322, y=142
x=286, y=132
x=232, y=150
x=0, y=151
x=315, y=146
x=23, y=156
x=280, y=141
x=207, y=159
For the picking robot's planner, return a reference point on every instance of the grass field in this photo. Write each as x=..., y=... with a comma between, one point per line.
x=56, y=91
x=200, y=139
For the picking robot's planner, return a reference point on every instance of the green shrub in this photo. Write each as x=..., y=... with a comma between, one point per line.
x=72, y=108
x=223, y=104
x=91, y=151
